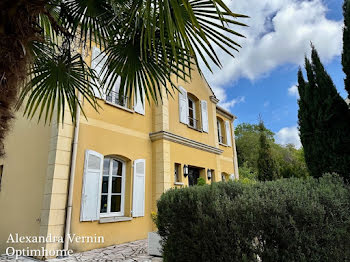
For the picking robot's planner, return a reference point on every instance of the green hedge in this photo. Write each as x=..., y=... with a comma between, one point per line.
x=284, y=220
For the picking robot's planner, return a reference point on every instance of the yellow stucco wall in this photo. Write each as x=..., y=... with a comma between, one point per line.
x=199, y=88
x=119, y=133
x=23, y=180
x=112, y=131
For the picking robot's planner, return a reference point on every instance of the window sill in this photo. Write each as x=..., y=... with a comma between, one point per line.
x=120, y=107
x=104, y=220
x=222, y=144
x=179, y=184
x=196, y=129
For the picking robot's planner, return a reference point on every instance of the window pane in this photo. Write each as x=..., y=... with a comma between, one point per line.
x=190, y=104
x=117, y=168
x=115, y=203
x=116, y=184
x=106, y=166
x=191, y=113
x=105, y=184
x=103, y=204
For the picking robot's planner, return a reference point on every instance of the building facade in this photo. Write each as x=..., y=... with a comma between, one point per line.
x=122, y=159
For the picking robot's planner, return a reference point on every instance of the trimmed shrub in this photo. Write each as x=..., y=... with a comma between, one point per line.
x=283, y=220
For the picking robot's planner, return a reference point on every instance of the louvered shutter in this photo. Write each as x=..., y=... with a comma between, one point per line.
x=183, y=105
x=97, y=62
x=138, y=200
x=90, y=199
x=139, y=102
x=204, y=109
x=228, y=133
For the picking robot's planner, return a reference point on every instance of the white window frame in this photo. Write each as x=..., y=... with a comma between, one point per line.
x=220, y=136
x=109, y=194
x=194, y=113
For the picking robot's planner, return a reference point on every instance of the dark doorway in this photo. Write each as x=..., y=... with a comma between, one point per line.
x=193, y=175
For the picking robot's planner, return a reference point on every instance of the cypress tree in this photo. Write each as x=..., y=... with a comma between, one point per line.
x=346, y=45
x=266, y=164
x=323, y=121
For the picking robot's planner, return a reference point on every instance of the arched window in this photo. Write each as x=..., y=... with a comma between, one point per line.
x=113, y=187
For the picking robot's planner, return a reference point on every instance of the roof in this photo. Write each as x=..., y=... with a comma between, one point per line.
x=225, y=113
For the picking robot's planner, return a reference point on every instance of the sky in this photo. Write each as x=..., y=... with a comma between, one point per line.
x=262, y=77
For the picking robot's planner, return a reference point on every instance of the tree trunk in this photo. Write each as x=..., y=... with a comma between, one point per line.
x=18, y=28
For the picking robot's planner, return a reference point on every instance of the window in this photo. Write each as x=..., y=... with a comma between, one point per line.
x=177, y=172
x=1, y=171
x=114, y=96
x=220, y=136
x=192, y=111
x=223, y=177
x=113, y=187
x=192, y=121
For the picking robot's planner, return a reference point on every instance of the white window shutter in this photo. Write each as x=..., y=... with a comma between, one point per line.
x=97, y=63
x=204, y=109
x=183, y=105
x=138, y=199
x=139, y=102
x=228, y=133
x=90, y=199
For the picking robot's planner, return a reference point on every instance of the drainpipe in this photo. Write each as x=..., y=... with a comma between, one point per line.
x=71, y=176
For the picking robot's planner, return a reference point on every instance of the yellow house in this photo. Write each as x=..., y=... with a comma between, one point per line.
x=99, y=180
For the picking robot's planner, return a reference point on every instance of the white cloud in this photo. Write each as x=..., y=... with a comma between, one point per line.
x=293, y=91
x=224, y=103
x=288, y=135
x=231, y=103
x=279, y=33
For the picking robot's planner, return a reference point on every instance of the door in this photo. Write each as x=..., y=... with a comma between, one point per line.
x=193, y=175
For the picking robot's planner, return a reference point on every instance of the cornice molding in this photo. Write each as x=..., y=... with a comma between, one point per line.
x=225, y=113
x=214, y=99
x=184, y=141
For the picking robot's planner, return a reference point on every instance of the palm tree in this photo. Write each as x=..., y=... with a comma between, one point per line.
x=144, y=42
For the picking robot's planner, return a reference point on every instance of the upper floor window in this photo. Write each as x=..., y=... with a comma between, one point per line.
x=113, y=187
x=114, y=95
x=224, y=131
x=192, y=116
x=219, y=123
x=192, y=111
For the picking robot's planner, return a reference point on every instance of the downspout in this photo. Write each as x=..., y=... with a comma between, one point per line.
x=235, y=160
x=71, y=176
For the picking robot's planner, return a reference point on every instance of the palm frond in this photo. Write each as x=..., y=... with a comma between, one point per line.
x=56, y=77
x=145, y=42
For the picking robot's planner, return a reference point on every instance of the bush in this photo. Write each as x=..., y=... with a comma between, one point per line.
x=283, y=220
x=201, y=181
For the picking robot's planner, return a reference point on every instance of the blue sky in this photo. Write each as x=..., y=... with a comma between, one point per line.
x=261, y=78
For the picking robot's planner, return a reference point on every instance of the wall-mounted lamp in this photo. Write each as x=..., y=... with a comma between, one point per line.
x=209, y=174
x=185, y=170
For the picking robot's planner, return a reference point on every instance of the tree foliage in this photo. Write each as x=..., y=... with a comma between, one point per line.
x=146, y=42
x=247, y=144
x=290, y=162
x=346, y=45
x=267, y=169
x=324, y=120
